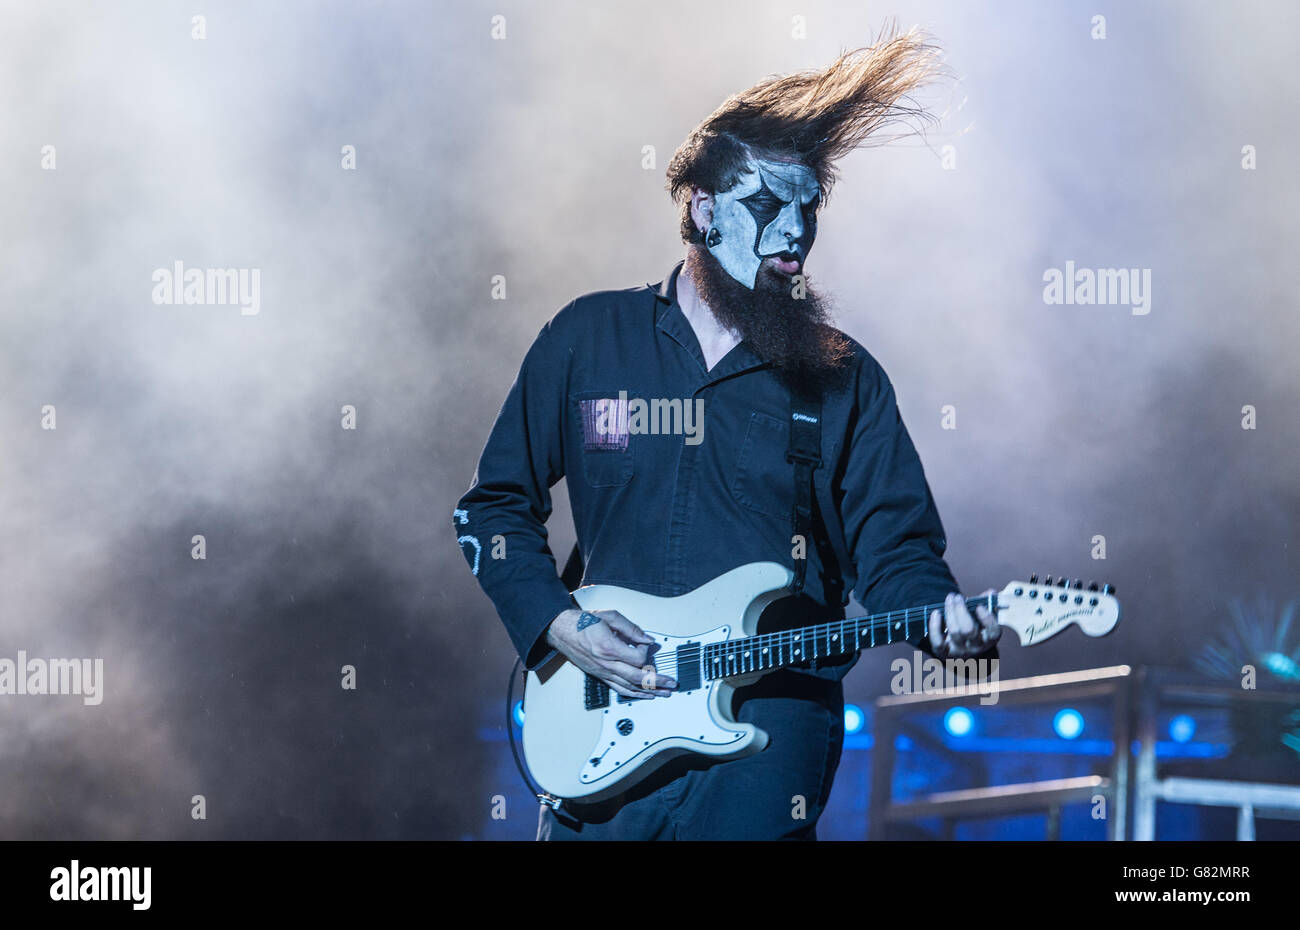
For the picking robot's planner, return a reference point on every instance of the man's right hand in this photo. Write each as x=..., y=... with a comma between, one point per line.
x=613, y=650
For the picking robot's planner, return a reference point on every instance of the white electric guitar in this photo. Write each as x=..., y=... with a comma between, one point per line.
x=583, y=740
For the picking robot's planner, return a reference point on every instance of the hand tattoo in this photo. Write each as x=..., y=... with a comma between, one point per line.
x=586, y=620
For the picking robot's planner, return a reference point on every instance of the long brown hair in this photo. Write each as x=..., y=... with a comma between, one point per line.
x=816, y=117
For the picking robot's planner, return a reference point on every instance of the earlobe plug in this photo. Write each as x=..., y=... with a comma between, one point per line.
x=713, y=238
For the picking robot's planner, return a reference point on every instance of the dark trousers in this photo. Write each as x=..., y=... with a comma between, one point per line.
x=775, y=794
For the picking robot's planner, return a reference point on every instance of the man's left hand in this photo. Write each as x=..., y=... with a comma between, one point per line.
x=967, y=635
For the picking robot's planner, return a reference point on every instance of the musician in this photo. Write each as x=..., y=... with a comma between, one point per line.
x=737, y=325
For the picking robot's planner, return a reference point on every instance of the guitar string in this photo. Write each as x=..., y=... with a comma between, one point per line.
x=666, y=663
x=783, y=642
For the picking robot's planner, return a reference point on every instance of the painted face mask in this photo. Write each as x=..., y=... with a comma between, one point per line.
x=770, y=212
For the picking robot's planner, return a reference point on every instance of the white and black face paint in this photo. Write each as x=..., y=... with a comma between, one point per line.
x=770, y=212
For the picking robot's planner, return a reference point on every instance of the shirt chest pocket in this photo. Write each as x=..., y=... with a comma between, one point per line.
x=604, y=440
x=763, y=480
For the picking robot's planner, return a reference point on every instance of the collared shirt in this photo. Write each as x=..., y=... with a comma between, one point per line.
x=665, y=512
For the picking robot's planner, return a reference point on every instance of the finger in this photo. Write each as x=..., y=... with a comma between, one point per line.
x=625, y=691
x=964, y=648
x=936, y=640
x=989, y=628
x=624, y=686
x=631, y=676
x=651, y=680
x=608, y=646
x=950, y=628
x=960, y=624
x=625, y=627
x=963, y=629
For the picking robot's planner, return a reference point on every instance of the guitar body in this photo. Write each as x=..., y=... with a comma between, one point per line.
x=583, y=741
x=590, y=754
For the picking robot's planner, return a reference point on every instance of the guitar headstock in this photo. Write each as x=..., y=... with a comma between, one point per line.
x=1038, y=610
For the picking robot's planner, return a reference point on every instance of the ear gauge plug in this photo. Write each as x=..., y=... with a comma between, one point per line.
x=713, y=238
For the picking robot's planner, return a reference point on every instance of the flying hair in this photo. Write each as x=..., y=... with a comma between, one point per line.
x=815, y=117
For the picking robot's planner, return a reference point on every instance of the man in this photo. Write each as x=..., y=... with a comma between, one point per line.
x=736, y=327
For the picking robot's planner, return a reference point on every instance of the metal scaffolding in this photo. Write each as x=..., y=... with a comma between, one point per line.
x=1133, y=696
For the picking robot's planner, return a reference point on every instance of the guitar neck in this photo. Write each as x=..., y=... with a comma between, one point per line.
x=824, y=640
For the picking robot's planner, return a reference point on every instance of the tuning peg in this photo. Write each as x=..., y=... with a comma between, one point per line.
x=1092, y=586
x=1033, y=579
x=1065, y=582
x=1107, y=589
x=1078, y=582
x=1047, y=580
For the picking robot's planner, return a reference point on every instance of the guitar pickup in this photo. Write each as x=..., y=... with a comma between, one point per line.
x=595, y=693
x=688, y=667
x=689, y=675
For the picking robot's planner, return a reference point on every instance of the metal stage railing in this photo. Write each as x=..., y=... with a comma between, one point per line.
x=1049, y=796
x=1134, y=697
x=1251, y=798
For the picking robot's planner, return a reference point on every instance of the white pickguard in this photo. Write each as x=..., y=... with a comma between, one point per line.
x=636, y=728
x=562, y=736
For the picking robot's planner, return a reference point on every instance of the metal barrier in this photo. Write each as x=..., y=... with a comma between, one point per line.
x=1049, y=796
x=1252, y=799
x=1139, y=694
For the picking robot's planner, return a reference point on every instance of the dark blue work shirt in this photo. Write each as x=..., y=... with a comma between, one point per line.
x=666, y=513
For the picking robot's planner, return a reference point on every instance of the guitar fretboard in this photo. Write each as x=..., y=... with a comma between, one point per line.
x=825, y=640
x=692, y=664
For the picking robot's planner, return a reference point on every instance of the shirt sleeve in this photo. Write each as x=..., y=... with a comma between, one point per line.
x=892, y=526
x=500, y=522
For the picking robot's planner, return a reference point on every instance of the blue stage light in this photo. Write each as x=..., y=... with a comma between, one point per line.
x=1182, y=728
x=1068, y=723
x=519, y=713
x=854, y=718
x=959, y=721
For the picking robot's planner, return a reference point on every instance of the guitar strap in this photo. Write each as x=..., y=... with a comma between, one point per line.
x=804, y=453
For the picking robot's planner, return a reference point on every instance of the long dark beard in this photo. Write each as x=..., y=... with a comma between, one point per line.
x=793, y=333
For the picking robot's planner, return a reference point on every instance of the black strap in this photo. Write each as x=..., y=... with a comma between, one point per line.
x=804, y=453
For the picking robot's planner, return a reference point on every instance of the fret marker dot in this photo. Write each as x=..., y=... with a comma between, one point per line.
x=897, y=625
